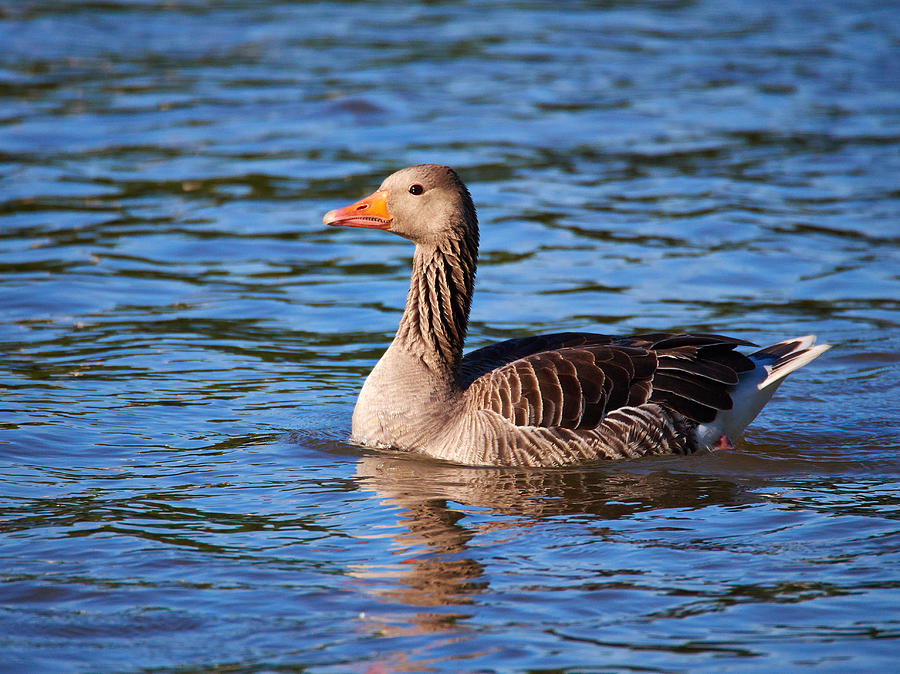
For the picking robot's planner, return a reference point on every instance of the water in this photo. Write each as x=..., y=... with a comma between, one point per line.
x=183, y=340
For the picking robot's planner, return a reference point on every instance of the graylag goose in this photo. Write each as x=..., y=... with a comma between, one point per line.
x=550, y=400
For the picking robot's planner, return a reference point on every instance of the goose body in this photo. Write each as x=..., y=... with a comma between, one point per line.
x=550, y=400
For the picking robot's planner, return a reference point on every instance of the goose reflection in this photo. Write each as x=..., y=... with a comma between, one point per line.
x=445, y=509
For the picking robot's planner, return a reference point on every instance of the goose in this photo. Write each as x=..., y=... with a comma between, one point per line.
x=543, y=401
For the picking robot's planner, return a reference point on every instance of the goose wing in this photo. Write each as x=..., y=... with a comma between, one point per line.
x=574, y=380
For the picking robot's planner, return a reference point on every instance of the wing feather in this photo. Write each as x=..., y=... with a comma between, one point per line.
x=572, y=380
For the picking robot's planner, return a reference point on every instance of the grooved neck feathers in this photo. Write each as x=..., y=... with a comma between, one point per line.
x=437, y=306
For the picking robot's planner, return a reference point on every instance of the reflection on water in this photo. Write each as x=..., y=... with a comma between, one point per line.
x=459, y=532
x=181, y=341
x=436, y=498
x=611, y=493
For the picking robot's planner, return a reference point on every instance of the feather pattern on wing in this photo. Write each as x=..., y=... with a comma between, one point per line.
x=573, y=381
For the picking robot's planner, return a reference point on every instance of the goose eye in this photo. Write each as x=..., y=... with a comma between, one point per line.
x=416, y=189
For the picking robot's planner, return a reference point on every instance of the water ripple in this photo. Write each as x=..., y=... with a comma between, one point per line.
x=183, y=340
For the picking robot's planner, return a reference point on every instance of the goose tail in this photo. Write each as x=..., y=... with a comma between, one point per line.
x=756, y=386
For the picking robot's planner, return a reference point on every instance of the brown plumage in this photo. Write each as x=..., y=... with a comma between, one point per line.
x=549, y=400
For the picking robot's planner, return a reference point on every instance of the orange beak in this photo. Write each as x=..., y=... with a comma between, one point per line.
x=371, y=212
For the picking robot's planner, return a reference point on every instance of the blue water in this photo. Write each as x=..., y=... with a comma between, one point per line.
x=182, y=340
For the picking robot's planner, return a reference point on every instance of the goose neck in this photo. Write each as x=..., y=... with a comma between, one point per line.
x=437, y=307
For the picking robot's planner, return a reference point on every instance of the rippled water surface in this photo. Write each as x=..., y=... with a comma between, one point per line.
x=182, y=340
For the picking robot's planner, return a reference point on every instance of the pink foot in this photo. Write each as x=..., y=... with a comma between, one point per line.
x=723, y=443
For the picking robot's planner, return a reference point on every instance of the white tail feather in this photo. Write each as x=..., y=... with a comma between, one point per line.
x=756, y=386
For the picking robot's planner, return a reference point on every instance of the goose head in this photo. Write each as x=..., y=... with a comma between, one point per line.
x=426, y=204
